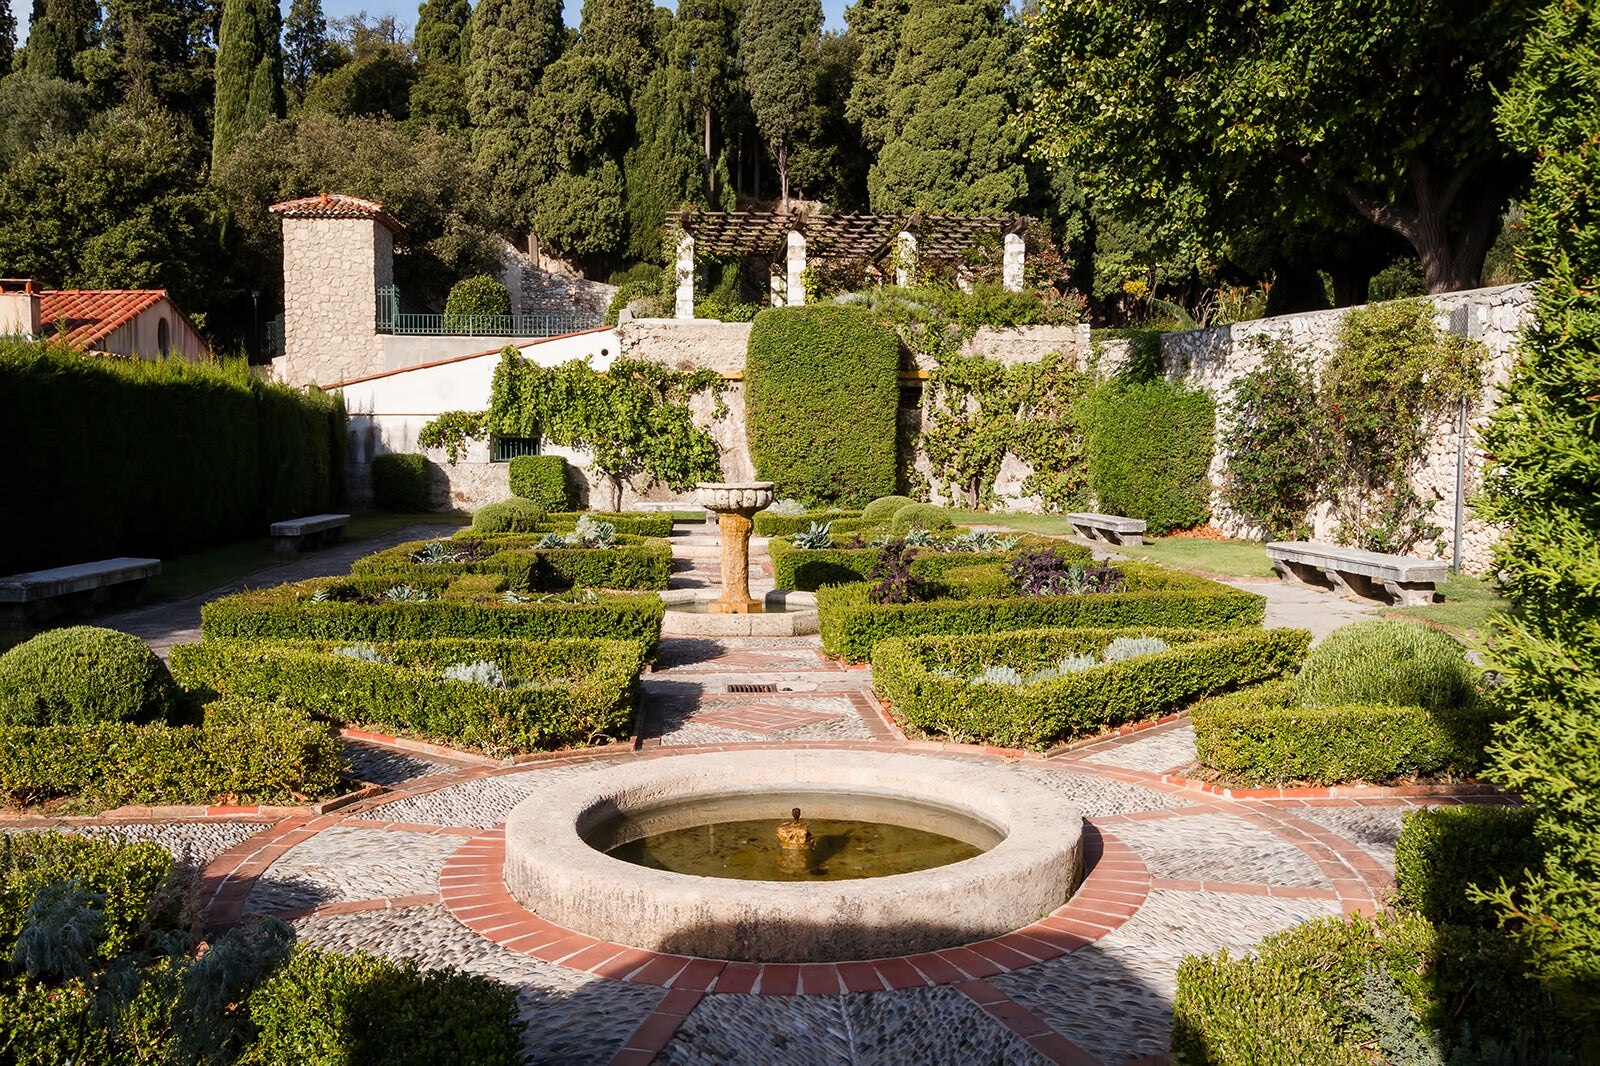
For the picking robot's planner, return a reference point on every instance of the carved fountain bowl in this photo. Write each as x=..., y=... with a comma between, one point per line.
x=555, y=868
x=746, y=498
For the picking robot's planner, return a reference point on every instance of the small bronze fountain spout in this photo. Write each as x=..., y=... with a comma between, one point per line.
x=795, y=835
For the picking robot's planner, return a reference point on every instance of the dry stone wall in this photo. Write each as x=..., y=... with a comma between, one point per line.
x=1214, y=358
x=536, y=290
x=332, y=269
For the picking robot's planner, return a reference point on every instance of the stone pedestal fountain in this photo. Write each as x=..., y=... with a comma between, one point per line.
x=735, y=506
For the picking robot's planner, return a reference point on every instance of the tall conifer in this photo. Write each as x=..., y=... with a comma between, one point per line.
x=513, y=41
x=249, y=72
x=778, y=42
x=8, y=38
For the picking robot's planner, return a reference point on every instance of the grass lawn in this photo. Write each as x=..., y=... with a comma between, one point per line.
x=1468, y=603
x=1230, y=558
x=186, y=575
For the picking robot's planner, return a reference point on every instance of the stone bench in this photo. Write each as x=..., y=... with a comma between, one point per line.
x=84, y=583
x=312, y=531
x=1400, y=579
x=1108, y=527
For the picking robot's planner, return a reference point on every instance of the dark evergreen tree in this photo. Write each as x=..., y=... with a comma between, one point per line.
x=442, y=34
x=875, y=29
x=702, y=53
x=664, y=169
x=306, y=53
x=8, y=38
x=57, y=31
x=249, y=73
x=947, y=140
x=155, y=52
x=513, y=41
x=827, y=163
x=778, y=43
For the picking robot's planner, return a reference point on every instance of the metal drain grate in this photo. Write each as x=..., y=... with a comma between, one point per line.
x=752, y=688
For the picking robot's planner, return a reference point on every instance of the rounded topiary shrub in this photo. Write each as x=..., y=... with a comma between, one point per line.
x=883, y=508
x=542, y=479
x=508, y=516
x=1387, y=661
x=85, y=674
x=474, y=299
x=923, y=515
x=400, y=482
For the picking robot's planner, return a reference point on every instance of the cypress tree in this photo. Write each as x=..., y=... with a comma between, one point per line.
x=947, y=139
x=1543, y=487
x=512, y=42
x=8, y=38
x=875, y=25
x=57, y=31
x=442, y=34
x=249, y=73
x=702, y=54
x=778, y=41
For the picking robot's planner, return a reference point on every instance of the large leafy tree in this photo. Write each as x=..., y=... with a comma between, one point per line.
x=38, y=112
x=249, y=73
x=306, y=53
x=945, y=141
x=512, y=42
x=778, y=42
x=1241, y=112
x=1545, y=442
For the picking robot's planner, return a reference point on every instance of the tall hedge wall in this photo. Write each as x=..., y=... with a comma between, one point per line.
x=821, y=391
x=1150, y=446
x=109, y=457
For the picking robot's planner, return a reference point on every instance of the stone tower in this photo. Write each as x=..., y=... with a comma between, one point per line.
x=337, y=252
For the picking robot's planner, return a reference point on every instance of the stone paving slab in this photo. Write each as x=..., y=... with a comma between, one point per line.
x=1114, y=999
x=1220, y=847
x=347, y=863
x=1374, y=829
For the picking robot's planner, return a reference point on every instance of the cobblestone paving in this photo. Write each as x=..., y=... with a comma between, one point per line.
x=932, y=1026
x=1099, y=796
x=1114, y=999
x=1155, y=754
x=571, y=1017
x=1375, y=829
x=387, y=766
x=1220, y=847
x=192, y=844
x=478, y=804
x=349, y=863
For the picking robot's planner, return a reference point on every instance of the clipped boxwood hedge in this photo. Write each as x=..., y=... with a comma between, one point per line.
x=1150, y=446
x=515, y=515
x=634, y=563
x=562, y=691
x=822, y=393
x=400, y=482
x=633, y=523
x=1263, y=736
x=920, y=516
x=808, y=569
x=1199, y=663
x=324, y=1008
x=542, y=479
x=768, y=524
x=468, y=606
x=1442, y=850
x=85, y=674
x=244, y=752
x=1155, y=596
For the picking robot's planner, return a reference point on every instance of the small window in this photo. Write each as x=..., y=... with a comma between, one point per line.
x=163, y=337
x=505, y=449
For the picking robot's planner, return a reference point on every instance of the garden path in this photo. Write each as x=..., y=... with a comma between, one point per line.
x=1171, y=870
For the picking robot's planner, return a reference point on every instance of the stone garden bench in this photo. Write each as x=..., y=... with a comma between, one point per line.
x=312, y=531
x=83, y=584
x=1400, y=579
x=1108, y=527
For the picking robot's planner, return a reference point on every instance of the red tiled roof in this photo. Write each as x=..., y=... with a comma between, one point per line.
x=81, y=317
x=334, y=205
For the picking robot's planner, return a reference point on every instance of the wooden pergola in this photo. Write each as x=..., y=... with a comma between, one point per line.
x=787, y=239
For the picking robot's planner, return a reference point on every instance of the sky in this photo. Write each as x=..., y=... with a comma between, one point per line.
x=832, y=10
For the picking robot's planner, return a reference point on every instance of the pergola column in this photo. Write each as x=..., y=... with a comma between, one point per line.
x=683, y=307
x=776, y=282
x=796, y=285
x=905, y=259
x=1012, y=263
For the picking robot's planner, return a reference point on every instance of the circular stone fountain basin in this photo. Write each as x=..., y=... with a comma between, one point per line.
x=782, y=614
x=554, y=867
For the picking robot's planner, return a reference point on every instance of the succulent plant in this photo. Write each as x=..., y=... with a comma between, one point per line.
x=551, y=540
x=917, y=537
x=818, y=536
x=406, y=594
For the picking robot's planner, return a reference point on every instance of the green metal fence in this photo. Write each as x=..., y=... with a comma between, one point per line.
x=392, y=319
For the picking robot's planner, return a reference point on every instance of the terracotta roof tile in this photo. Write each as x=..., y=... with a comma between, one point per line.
x=82, y=317
x=334, y=205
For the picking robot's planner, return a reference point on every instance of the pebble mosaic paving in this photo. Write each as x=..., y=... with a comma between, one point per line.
x=1193, y=873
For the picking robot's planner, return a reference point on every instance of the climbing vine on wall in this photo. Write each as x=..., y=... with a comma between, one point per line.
x=634, y=418
x=1281, y=447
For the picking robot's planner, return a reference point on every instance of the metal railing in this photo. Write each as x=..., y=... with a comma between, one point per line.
x=272, y=344
x=391, y=319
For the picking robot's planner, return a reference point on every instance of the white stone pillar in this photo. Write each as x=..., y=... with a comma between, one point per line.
x=797, y=269
x=905, y=259
x=684, y=306
x=1011, y=265
x=775, y=283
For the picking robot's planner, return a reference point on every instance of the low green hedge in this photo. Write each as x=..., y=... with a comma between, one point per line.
x=323, y=1008
x=633, y=563
x=515, y=515
x=883, y=508
x=561, y=691
x=542, y=479
x=1155, y=597
x=768, y=524
x=1442, y=850
x=1263, y=736
x=633, y=523
x=133, y=881
x=1199, y=663
x=400, y=482
x=808, y=569
x=1338, y=992
x=85, y=674
x=920, y=516
x=243, y=752
x=468, y=606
